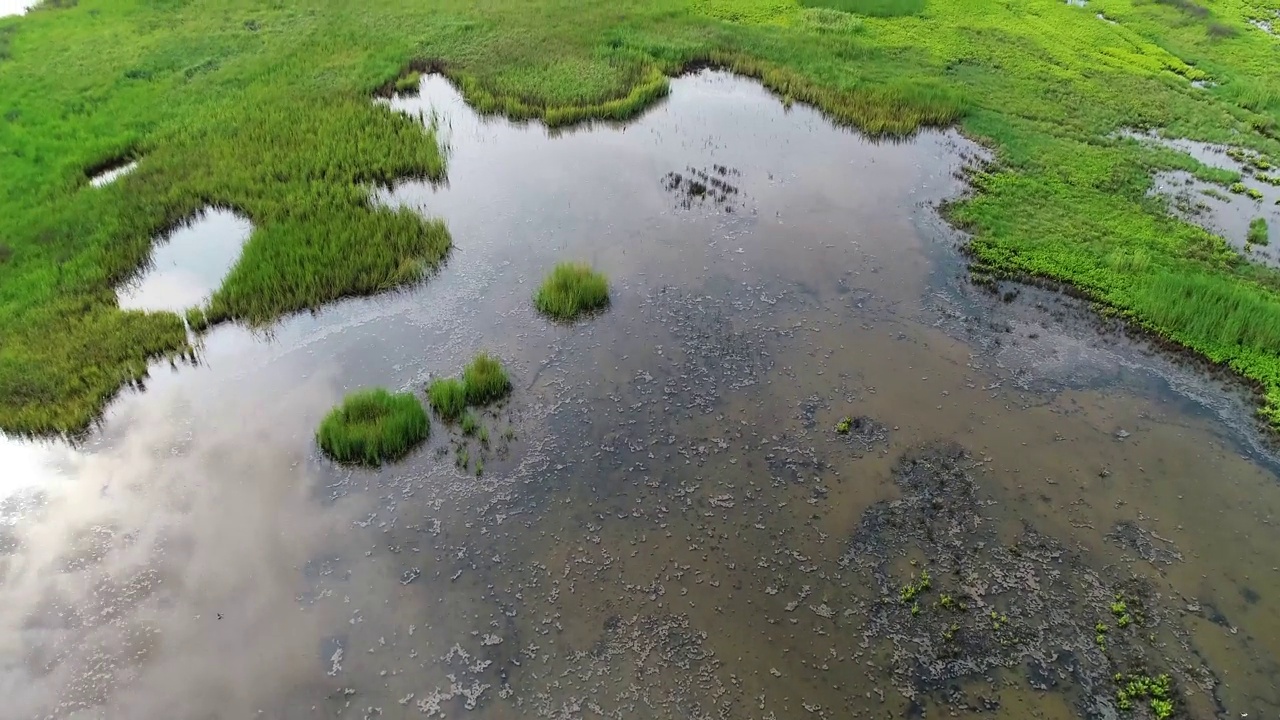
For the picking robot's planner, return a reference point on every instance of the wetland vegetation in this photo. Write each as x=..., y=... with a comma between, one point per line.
x=571, y=290
x=265, y=110
x=484, y=381
x=372, y=427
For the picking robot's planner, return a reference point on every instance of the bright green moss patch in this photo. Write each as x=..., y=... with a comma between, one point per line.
x=371, y=427
x=485, y=380
x=571, y=290
x=448, y=397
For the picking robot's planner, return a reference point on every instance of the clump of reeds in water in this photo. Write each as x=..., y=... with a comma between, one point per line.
x=448, y=397
x=371, y=427
x=571, y=290
x=484, y=380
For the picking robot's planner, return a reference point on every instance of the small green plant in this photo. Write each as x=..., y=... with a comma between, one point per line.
x=1119, y=607
x=998, y=620
x=373, y=427
x=571, y=290
x=470, y=424
x=509, y=434
x=950, y=632
x=844, y=425
x=485, y=380
x=1253, y=193
x=1238, y=188
x=915, y=609
x=1258, y=232
x=1268, y=179
x=463, y=458
x=408, y=85
x=915, y=589
x=484, y=436
x=1123, y=621
x=448, y=397
x=1156, y=691
x=479, y=467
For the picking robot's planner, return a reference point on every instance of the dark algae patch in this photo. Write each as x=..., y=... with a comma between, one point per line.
x=960, y=600
x=372, y=427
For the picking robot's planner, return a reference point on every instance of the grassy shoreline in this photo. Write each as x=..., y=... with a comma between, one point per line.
x=267, y=110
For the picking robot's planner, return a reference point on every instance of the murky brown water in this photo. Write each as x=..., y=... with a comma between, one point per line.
x=667, y=523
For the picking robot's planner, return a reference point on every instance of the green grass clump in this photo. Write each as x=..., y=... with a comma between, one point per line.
x=871, y=8
x=916, y=588
x=371, y=427
x=485, y=380
x=408, y=84
x=571, y=290
x=1258, y=232
x=470, y=424
x=197, y=320
x=448, y=397
x=1157, y=691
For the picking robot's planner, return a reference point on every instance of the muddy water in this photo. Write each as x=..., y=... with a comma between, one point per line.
x=666, y=522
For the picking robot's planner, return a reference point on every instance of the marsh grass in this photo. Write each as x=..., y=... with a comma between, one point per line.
x=871, y=8
x=408, y=85
x=197, y=320
x=485, y=380
x=571, y=290
x=1258, y=232
x=470, y=424
x=448, y=397
x=372, y=427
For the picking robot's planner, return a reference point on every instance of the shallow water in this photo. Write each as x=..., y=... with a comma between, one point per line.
x=111, y=175
x=16, y=7
x=667, y=523
x=189, y=264
x=1213, y=208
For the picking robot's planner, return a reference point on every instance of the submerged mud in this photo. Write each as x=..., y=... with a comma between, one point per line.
x=705, y=502
x=974, y=600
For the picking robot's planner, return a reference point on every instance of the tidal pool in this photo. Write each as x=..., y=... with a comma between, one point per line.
x=189, y=263
x=113, y=173
x=667, y=522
